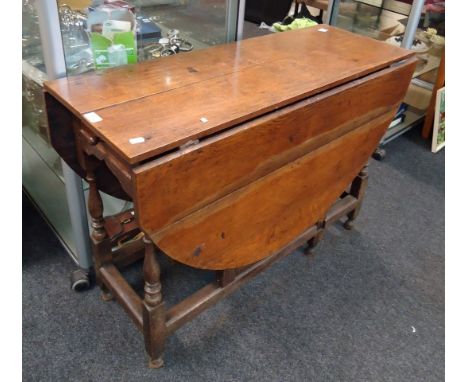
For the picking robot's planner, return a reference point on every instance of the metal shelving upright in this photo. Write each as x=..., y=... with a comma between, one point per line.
x=58, y=193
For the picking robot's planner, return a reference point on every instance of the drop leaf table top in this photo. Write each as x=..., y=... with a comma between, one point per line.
x=164, y=101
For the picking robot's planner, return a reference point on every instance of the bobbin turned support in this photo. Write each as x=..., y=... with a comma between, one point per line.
x=154, y=312
x=312, y=243
x=358, y=190
x=100, y=242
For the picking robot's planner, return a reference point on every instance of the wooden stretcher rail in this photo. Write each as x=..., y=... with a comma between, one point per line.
x=342, y=207
x=128, y=254
x=123, y=293
x=212, y=293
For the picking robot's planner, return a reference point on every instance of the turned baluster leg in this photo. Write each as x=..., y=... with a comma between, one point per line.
x=99, y=240
x=154, y=313
x=312, y=243
x=225, y=277
x=358, y=189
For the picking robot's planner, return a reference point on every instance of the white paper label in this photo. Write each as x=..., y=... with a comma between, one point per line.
x=136, y=140
x=323, y=30
x=203, y=120
x=92, y=117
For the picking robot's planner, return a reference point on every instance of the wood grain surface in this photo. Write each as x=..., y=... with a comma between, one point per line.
x=279, y=126
x=257, y=220
x=164, y=101
x=242, y=153
x=175, y=185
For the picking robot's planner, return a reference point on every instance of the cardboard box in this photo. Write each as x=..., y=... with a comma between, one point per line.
x=394, y=30
x=418, y=97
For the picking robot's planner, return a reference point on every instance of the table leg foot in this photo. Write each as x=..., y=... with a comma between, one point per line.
x=106, y=296
x=309, y=250
x=348, y=224
x=312, y=243
x=156, y=363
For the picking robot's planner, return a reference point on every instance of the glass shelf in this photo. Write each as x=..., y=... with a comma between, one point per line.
x=386, y=20
x=201, y=23
x=31, y=41
x=368, y=20
x=412, y=117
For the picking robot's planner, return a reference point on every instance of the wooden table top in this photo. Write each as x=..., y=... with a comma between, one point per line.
x=152, y=107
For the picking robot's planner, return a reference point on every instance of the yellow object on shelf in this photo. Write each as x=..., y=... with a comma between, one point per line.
x=296, y=24
x=76, y=4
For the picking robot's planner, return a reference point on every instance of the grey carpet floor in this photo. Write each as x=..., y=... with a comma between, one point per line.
x=369, y=306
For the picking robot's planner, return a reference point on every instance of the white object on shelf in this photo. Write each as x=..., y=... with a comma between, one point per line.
x=419, y=47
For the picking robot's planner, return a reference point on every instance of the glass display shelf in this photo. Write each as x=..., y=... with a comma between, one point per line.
x=412, y=116
x=42, y=176
x=201, y=23
x=389, y=21
x=369, y=19
x=31, y=41
x=197, y=23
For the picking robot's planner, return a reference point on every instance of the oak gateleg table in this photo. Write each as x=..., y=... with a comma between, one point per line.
x=233, y=156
